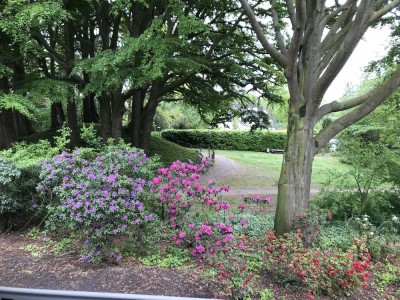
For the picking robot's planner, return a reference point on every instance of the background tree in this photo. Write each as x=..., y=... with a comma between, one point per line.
x=323, y=36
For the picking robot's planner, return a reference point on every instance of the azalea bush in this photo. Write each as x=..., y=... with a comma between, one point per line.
x=99, y=198
x=317, y=271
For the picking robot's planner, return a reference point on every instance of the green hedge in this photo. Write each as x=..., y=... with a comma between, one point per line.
x=258, y=140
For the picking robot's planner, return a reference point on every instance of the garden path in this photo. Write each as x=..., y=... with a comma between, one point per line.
x=224, y=168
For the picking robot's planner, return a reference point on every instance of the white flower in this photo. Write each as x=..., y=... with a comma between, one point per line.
x=394, y=218
x=371, y=233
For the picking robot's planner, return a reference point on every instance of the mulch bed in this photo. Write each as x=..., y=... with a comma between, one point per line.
x=18, y=268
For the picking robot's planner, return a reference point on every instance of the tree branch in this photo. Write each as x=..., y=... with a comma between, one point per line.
x=372, y=100
x=384, y=10
x=271, y=50
x=351, y=40
x=291, y=12
x=50, y=50
x=336, y=12
x=278, y=33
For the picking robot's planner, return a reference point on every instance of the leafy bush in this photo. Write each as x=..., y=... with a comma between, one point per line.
x=327, y=272
x=100, y=199
x=17, y=186
x=227, y=140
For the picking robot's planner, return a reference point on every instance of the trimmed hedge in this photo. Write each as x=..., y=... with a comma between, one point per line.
x=258, y=140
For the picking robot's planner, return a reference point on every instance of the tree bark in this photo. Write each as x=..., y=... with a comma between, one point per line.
x=111, y=113
x=57, y=116
x=295, y=178
x=72, y=115
x=117, y=114
x=105, y=116
x=136, y=117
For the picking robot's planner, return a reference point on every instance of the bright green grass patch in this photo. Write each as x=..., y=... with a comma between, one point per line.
x=261, y=170
x=170, y=152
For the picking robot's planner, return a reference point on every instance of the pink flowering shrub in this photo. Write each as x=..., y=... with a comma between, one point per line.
x=210, y=227
x=99, y=199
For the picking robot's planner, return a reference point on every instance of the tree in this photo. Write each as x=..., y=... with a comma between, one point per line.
x=323, y=36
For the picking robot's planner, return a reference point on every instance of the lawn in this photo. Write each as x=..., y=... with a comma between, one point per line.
x=261, y=170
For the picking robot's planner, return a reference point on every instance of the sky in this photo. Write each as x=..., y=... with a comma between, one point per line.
x=372, y=47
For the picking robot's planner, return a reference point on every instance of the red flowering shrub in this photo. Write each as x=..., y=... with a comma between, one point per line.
x=228, y=275
x=318, y=271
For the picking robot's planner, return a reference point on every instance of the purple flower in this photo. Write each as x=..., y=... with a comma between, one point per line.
x=148, y=217
x=112, y=207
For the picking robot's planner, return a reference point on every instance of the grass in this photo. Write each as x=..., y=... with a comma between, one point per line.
x=261, y=170
x=170, y=152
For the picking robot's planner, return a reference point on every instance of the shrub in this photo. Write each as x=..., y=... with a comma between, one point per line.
x=17, y=186
x=327, y=272
x=257, y=140
x=100, y=199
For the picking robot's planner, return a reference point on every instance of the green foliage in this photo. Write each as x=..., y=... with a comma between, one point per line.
x=337, y=234
x=27, y=155
x=227, y=140
x=17, y=186
x=389, y=274
x=172, y=258
x=19, y=103
x=90, y=137
x=267, y=294
x=364, y=188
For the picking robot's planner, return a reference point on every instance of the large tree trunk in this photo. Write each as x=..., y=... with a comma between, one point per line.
x=57, y=116
x=89, y=113
x=116, y=115
x=73, y=123
x=111, y=113
x=146, y=128
x=136, y=117
x=105, y=117
x=9, y=133
x=295, y=179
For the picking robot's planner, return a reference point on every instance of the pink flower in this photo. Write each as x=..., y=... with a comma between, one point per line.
x=181, y=235
x=244, y=222
x=240, y=245
x=267, y=199
x=230, y=217
x=241, y=206
x=257, y=197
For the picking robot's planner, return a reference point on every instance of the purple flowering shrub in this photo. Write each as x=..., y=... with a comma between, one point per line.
x=100, y=198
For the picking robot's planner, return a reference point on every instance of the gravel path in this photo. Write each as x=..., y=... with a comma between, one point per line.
x=225, y=168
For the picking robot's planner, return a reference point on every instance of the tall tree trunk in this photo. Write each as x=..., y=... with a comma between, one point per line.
x=136, y=117
x=73, y=123
x=10, y=132
x=105, y=116
x=146, y=128
x=111, y=113
x=117, y=113
x=148, y=114
x=57, y=116
x=89, y=113
x=295, y=178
